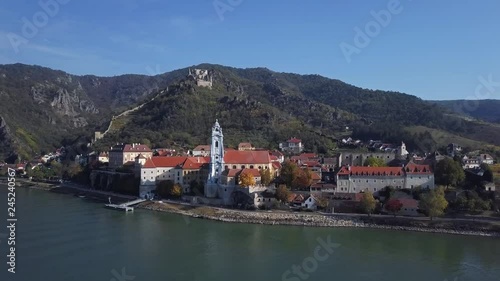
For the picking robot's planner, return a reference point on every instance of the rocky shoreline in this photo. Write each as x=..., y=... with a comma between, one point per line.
x=293, y=219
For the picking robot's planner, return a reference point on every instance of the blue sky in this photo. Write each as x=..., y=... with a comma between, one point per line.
x=431, y=49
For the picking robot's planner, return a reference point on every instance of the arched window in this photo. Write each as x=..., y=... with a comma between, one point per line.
x=243, y=166
x=217, y=144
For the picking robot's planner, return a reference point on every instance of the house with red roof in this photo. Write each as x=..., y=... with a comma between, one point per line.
x=355, y=179
x=292, y=146
x=409, y=207
x=123, y=153
x=256, y=159
x=418, y=175
x=231, y=176
x=181, y=170
x=103, y=157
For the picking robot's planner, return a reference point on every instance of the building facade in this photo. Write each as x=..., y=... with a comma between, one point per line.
x=121, y=154
x=355, y=179
x=293, y=146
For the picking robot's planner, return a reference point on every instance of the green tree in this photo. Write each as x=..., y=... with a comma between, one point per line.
x=368, y=203
x=282, y=193
x=163, y=188
x=266, y=177
x=488, y=173
x=322, y=202
x=73, y=170
x=374, y=162
x=197, y=188
x=57, y=169
x=289, y=172
x=433, y=203
x=449, y=172
x=388, y=192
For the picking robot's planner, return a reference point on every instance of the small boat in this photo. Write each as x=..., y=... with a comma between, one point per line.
x=82, y=196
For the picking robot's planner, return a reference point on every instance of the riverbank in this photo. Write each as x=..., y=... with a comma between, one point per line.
x=318, y=220
x=457, y=227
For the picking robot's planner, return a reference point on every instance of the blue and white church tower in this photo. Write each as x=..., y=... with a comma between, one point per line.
x=216, y=161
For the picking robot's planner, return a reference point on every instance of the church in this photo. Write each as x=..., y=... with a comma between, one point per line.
x=218, y=171
x=225, y=166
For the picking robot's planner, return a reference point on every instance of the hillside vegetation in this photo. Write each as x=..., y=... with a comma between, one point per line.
x=43, y=109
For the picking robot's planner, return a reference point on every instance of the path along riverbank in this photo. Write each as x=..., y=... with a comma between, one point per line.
x=458, y=227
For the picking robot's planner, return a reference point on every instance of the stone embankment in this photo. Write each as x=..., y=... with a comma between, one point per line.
x=313, y=220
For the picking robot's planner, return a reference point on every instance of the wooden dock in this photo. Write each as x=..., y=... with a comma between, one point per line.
x=127, y=207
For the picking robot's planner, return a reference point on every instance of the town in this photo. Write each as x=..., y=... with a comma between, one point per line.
x=388, y=179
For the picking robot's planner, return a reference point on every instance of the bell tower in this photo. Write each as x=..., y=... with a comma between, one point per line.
x=216, y=154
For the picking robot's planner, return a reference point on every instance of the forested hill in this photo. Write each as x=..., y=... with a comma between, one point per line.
x=42, y=108
x=486, y=110
x=266, y=107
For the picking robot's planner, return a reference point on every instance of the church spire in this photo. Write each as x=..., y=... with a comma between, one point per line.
x=216, y=153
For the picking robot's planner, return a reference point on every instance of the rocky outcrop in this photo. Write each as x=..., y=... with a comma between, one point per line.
x=5, y=137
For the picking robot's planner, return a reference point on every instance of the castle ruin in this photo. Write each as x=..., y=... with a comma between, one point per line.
x=202, y=77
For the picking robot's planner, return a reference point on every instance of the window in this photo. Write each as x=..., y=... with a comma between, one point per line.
x=234, y=166
x=217, y=144
x=251, y=166
x=243, y=166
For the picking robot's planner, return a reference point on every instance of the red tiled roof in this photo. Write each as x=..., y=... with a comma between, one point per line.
x=136, y=148
x=371, y=171
x=254, y=172
x=276, y=165
x=246, y=157
x=408, y=203
x=149, y=164
x=308, y=155
x=296, y=198
x=195, y=163
x=236, y=172
x=273, y=158
x=168, y=162
x=294, y=140
x=277, y=153
x=203, y=148
x=315, y=176
x=412, y=168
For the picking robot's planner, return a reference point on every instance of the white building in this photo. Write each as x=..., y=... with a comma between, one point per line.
x=293, y=145
x=356, y=179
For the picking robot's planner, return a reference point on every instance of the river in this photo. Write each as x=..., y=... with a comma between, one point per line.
x=62, y=237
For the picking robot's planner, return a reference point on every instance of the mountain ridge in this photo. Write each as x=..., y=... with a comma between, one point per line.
x=60, y=107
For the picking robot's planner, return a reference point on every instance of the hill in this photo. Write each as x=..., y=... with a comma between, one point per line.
x=44, y=108
x=486, y=110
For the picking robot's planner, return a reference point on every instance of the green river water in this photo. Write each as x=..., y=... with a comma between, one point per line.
x=62, y=237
